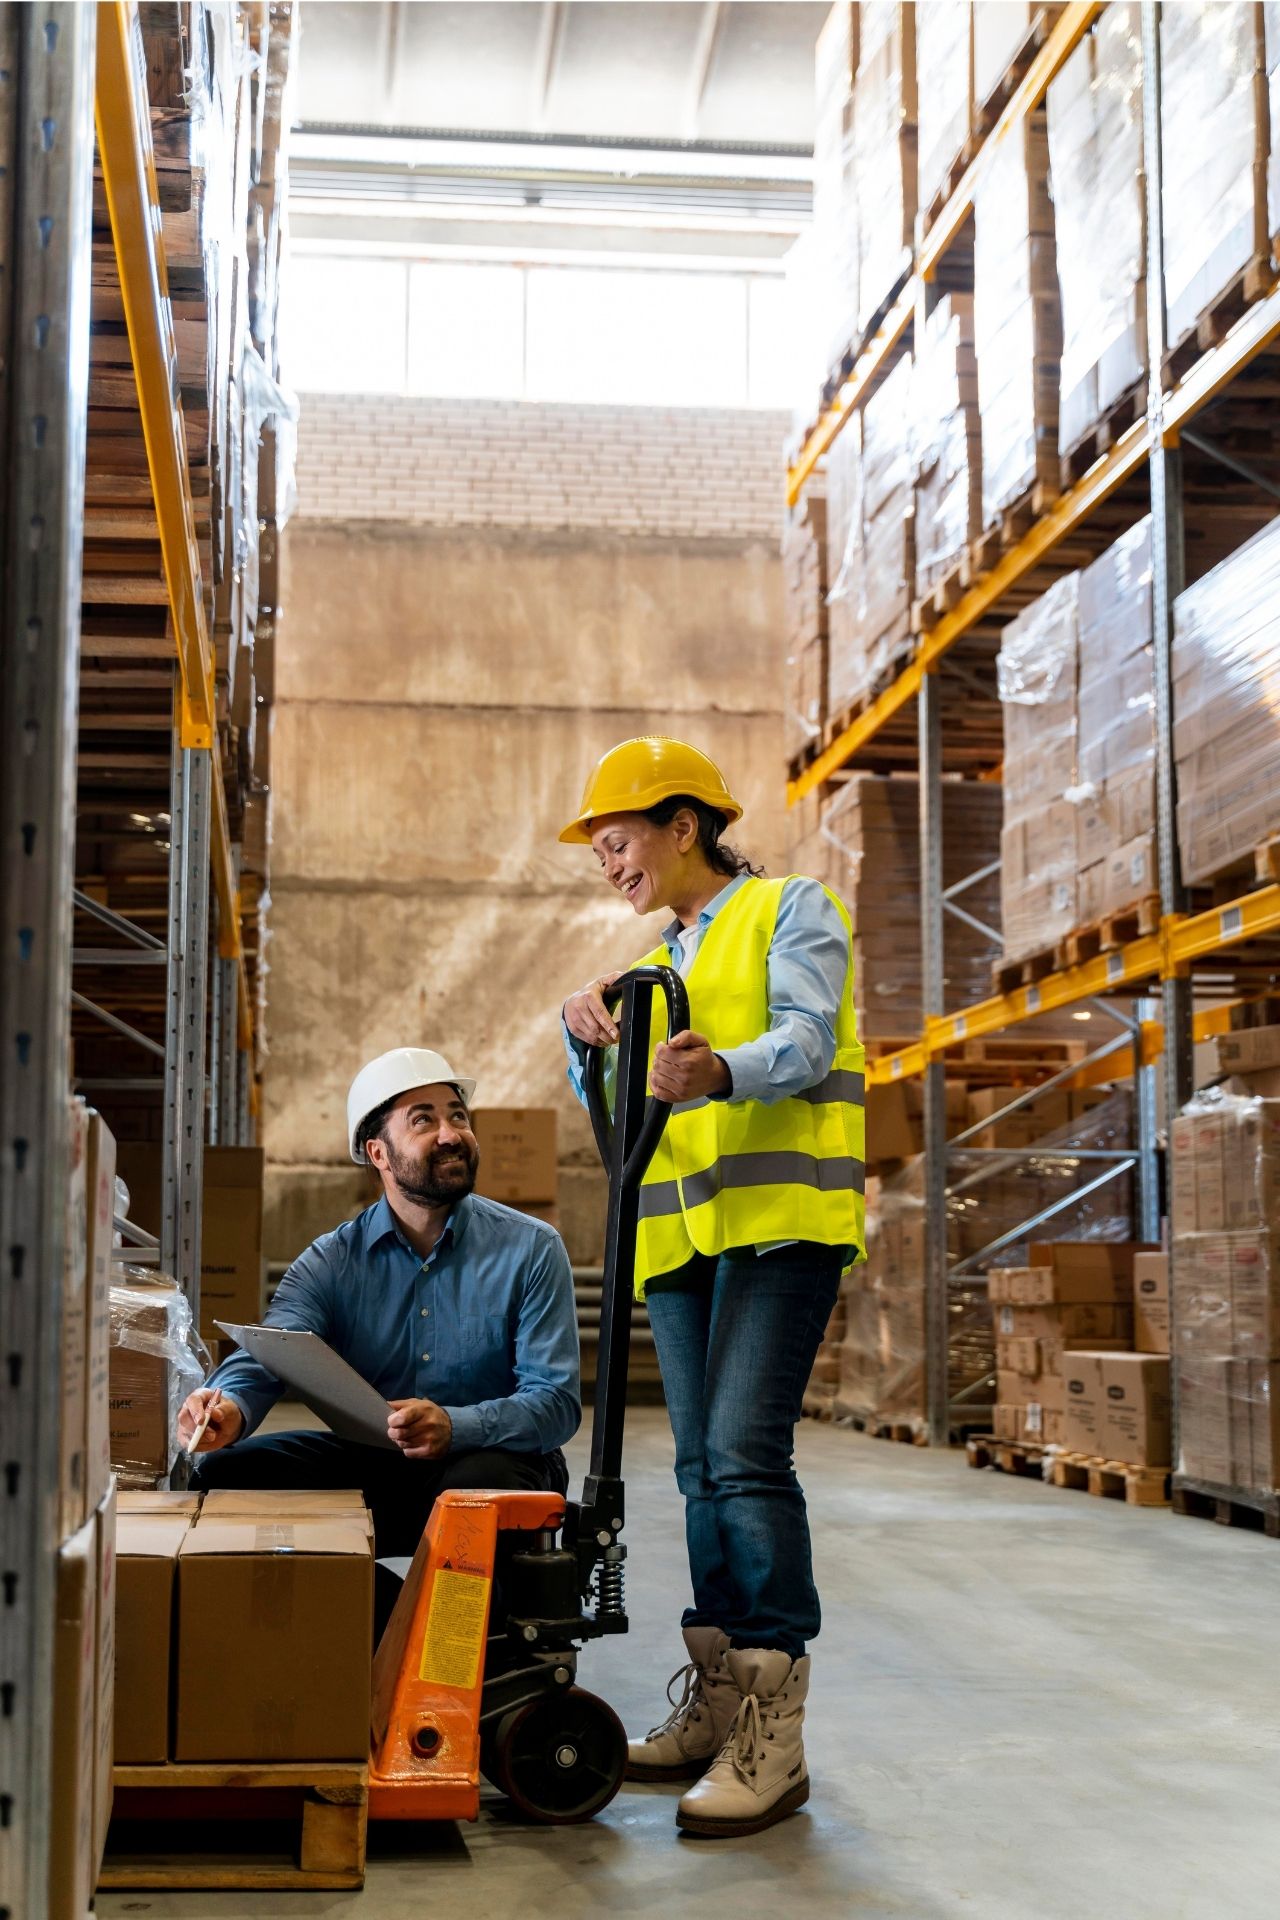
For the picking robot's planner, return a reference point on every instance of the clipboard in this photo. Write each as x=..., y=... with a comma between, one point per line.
x=321, y=1379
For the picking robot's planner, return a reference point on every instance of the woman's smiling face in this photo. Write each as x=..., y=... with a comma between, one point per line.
x=642, y=861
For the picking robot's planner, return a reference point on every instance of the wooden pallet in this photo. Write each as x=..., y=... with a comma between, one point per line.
x=845, y=717
x=1113, y=930
x=950, y=181
x=1101, y=436
x=238, y=1827
x=1015, y=73
x=1258, y=1512
x=1008, y=975
x=1014, y=523
x=942, y=596
x=1266, y=864
x=907, y=1433
x=1110, y=1479
x=1254, y=280
x=847, y=360
x=1023, y=1457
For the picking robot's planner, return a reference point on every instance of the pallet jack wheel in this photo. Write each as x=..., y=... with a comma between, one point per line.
x=560, y=1759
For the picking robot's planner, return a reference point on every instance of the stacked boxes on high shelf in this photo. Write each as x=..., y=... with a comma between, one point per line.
x=1004, y=31
x=1071, y=1295
x=835, y=202
x=1017, y=322
x=1076, y=681
x=1271, y=47
x=1226, y=653
x=1226, y=1289
x=884, y=142
x=870, y=597
x=1099, y=203
x=79, y=1794
x=946, y=442
x=944, y=76
x=1214, y=118
x=804, y=588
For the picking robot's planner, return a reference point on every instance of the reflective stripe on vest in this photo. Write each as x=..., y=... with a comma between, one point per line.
x=729, y=1173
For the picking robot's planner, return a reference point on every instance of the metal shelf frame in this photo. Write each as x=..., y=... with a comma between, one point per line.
x=46, y=186
x=1162, y=963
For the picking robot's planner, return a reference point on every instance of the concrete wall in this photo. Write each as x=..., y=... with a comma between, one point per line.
x=442, y=694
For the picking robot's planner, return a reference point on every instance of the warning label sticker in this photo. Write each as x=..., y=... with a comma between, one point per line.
x=453, y=1646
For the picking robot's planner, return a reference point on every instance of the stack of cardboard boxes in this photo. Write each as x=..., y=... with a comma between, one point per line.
x=245, y=1627
x=519, y=1161
x=804, y=587
x=1017, y=319
x=884, y=141
x=946, y=441
x=870, y=597
x=1226, y=658
x=1065, y=1337
x=1095, y=154
x=944, y=74
x=1038, y=862
x=1002, y=29
x=835, y=202
x=155, y=1363
x=231, y=1264
x=1226, y=1289
x=84, y=1622
x=1214, y=118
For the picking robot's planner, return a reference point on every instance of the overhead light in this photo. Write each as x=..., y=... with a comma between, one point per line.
x=1082, y=1016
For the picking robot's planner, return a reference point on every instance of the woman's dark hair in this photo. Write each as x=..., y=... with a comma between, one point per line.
x=720, y=858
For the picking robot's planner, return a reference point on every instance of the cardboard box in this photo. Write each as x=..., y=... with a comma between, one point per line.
x=1204, y=1422
x=1082, y=1418
x=156, y=1500
x=100, y=1216
x=1078, y=1324
x=1264, y=1424
x=72, y=1867
x=1067, y=1272
x=275, y=1629
x=231, y=1269
x=1249, y=1050
x=518, y=1153
x=236, y=1503
x=147, y=1546
x=1151, y=1303
x=142, y=1386
x=72, y=1507
x=1136, y=1408
x=104, y=1672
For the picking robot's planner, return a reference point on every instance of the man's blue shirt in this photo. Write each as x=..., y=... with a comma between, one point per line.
x=485, y=1326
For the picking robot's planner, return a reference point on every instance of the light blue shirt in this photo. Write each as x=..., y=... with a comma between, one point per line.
x=806, y=970
x=486, y=1326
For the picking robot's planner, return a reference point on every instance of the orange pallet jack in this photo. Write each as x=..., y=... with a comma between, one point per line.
x=452, y=1700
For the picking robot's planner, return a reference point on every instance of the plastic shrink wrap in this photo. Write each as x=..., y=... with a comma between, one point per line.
x=876, y=576
x=1226, y=708
x=1036, y=670
x=1017, y=319
x=884, y=143
x=835, y=205
x=804, y=588
x=944, y=74
x=157, y=1359
x=1095, y=156
x=946, y=441
x=1004, y=32
x=1115, y=791
x=1226, y=1289
x=1213, y=115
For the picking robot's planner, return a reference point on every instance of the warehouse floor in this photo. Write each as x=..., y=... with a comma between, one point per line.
x=1027, y=1704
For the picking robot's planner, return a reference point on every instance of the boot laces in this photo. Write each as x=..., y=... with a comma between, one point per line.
x=687, y=1706
x=745, y=1737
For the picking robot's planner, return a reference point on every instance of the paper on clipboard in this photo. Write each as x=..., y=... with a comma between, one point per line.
x=320, y=1378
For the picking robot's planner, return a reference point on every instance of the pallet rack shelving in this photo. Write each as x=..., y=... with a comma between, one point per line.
x=1158, y=462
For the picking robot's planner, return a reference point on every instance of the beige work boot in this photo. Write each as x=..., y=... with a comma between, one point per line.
x=759, y=1775
x=692, y=1734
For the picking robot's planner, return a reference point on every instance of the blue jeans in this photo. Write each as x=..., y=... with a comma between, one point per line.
x=736, y=1340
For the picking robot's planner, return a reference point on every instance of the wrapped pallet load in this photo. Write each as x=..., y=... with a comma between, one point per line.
x=1213, y=115
x=884, y=141
x=835, y=206
x=944, y=73
x=947, y=446
x=1115, y=791
x=1226, y=709
x=1037, y=670
x=1095, y=156
x=1271, y=38
x=877, y=571
x=1226, y=1289
x=1005, y=33
x=804, y=587
x=1017, y=322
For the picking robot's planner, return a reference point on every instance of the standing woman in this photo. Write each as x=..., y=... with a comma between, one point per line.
x=749, y=1212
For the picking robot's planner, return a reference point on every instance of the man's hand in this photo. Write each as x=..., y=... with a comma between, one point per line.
x=685, y=1069
x=226, y=1422
x=586, y=1015
x=421, y=1429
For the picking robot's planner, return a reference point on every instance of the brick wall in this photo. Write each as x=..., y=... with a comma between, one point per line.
x=677, y=472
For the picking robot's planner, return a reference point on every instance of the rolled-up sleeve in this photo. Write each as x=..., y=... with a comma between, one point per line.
x=302, y=1304
x=808, y=964
x=545, y=1410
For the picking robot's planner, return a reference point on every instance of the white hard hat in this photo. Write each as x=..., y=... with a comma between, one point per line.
x=392, y=1074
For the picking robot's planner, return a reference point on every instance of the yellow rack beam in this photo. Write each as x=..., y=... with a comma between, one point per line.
x=1074, y=23
x=133, y=200
x=1182, y=940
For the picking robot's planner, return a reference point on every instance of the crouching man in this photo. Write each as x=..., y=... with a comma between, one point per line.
x=459, y=1311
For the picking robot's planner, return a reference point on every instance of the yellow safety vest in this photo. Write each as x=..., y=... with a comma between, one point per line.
x=738, y=1174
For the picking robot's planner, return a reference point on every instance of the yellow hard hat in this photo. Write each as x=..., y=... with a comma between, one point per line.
x=638, y=774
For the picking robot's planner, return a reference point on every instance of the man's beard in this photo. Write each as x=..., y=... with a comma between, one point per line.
x=446, y=1174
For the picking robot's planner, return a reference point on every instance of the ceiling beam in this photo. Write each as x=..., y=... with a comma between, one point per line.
x=546, y=59
x=389, y=27
x=710, y=28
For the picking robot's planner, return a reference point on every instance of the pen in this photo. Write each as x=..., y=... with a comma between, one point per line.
x=199, y=1433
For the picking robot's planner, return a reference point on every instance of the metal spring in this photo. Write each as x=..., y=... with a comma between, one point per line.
x=611, y=1580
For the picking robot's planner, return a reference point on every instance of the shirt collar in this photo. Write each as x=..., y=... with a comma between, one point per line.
x=379, y=1222
x=671, y=933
